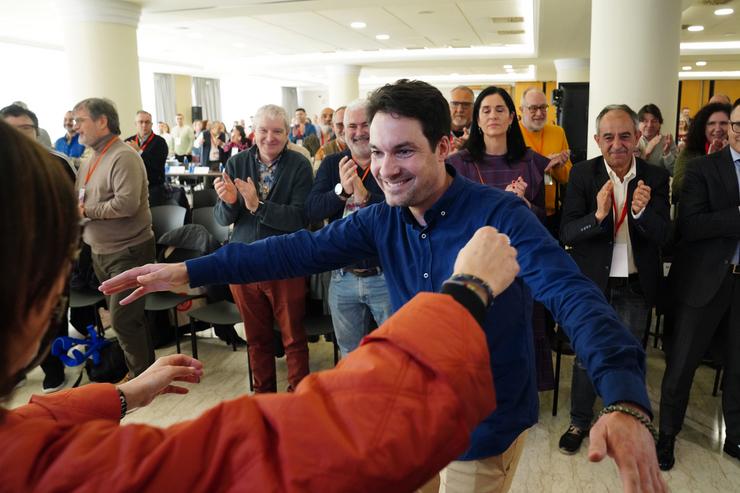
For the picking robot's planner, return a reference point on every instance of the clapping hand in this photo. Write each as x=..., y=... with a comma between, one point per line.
x=604, y=201
x=248, y=192
x=225, y=189
x=641, y=197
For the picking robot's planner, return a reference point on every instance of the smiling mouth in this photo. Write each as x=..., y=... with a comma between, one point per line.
x=396, y=184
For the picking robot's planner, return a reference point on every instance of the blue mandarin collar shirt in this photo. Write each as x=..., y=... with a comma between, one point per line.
x=416, y=258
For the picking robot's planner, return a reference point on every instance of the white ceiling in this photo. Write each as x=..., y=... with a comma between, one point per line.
x=294, y=40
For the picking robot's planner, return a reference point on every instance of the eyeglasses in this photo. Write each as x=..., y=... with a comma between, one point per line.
x=534, y=109
x=735, y=126
x=463, y=104
x=26, y=127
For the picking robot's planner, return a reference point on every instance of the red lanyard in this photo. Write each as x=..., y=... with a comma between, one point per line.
x=100, y=156
x=622, y=216
x=148, y=140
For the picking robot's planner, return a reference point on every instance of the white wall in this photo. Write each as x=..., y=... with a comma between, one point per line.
x=241, y=96
x=313, y=101
x=38, y=77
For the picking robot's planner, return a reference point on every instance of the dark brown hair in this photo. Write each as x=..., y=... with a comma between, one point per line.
x=40, y=224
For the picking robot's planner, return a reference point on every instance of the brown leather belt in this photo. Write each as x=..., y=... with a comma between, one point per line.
x=364, y=272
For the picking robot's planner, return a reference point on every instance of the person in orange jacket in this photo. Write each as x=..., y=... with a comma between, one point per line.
x=387, y=418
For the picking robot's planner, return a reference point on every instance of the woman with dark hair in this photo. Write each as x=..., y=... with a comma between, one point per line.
x=239, y=141
x=707, y=134
x=496, y=154
x=73, y=439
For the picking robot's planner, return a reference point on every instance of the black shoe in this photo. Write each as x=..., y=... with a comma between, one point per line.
x=237, y=342
x=53, y=383
x=732, y=449
x=571, y=440
x=665, y=450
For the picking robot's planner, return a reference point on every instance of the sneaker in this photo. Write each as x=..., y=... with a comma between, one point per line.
x=53, y=383
x=571, y=440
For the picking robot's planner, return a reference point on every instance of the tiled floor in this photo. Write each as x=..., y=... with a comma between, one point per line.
x=700, y=466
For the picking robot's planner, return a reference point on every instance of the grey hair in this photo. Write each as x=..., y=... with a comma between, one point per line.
x=357, y=104
x=523, y=102
x=98, y=107
x=617, y=107
x=463, y=88
x=271, y=111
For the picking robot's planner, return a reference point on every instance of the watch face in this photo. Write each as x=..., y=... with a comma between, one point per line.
x=338, y=189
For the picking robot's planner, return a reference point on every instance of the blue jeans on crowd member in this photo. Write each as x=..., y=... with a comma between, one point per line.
x=629, y=302
x=353, y=300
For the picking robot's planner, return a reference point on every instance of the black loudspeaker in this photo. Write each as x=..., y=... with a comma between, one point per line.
x=196, y=113
x=572, y=103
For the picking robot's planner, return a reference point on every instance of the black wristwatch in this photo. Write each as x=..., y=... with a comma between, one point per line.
x=339, y=190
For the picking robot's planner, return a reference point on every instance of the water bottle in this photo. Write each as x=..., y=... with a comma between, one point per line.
x=190, y=166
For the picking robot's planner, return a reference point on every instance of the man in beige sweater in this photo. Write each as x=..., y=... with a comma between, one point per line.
x=113, y=195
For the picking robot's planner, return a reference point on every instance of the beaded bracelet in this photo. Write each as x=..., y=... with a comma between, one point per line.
x=124, y=403
x=465, y=279
x=635, y=414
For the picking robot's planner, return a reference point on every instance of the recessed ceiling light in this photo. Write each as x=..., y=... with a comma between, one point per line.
x=358, y=25
x=507, y=66
x=382, y=37
x=701, y=63
x=724, y=11
x=687, y=67
x=695, y=28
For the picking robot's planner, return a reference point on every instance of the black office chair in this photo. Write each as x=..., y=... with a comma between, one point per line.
x=219, y=313
x=80, y=298
x=204, y=217
x=204, y=198
x=166, y=218
x=560, y=343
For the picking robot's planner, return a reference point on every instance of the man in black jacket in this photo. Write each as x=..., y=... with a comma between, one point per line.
x=616, y=218
x=152, y=148
x=262, y=193
x=705, y=277
x=344, y=185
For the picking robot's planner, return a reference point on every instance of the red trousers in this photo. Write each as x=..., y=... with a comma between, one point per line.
x=263, y=304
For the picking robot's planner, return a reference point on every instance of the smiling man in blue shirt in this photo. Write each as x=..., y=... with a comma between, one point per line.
x=430, y=212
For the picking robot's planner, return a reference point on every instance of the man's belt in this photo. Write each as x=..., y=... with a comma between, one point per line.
x=364, y=272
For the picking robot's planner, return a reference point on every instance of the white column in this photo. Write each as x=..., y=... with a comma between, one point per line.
x=634, y=57
x=103, y=60
x=571, y=69
x=344, y=84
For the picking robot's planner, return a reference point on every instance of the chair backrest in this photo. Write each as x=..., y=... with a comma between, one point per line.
x=204, y=198
x=165, y=218
x=204, y=217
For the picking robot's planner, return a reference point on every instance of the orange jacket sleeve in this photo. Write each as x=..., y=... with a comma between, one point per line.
x=392, y=414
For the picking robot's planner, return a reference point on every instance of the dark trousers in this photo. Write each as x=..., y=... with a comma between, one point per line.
x=693, y=333
x=128, y=321
x=181, y=157
x=261, y=305
x=633, y=310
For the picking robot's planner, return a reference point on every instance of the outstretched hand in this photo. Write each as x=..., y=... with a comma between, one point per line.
x=147, y=279
x=158, y=378
x=630, y=444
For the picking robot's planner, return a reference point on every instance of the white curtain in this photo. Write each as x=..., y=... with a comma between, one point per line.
x=164, y=99
x=207, y=95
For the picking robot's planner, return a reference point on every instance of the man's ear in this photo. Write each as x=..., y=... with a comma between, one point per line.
x=443, y=147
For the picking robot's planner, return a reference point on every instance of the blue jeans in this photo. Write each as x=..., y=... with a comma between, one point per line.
x=632, y=309
x=353, y=300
